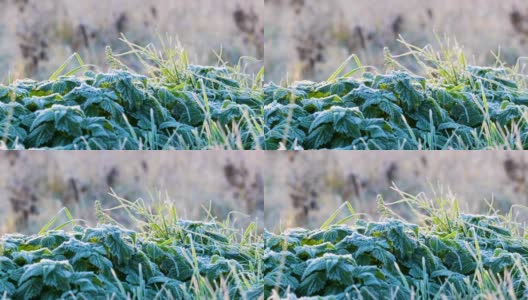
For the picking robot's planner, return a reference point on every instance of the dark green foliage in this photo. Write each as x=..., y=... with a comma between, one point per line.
x=209, y=108
x=110, y=262
x=122, y=110
x=393, y=260
x=396, y=111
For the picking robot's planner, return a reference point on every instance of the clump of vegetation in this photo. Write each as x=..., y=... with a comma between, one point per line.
x=166, y=258
x=455, y=106
x=178, y=106
x=244, y=188
x=448, y=255
x=248, y=23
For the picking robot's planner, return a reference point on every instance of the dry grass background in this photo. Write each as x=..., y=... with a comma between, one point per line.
x=36, y=36
x=305, y=188
x=309, y=40
x=36, y=185
x=278, y=189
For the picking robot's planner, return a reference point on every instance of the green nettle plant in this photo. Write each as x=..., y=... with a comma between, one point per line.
x=451, y=256
x=167, y=258
x=178, y=106
x=182, y=106
x=456, y=106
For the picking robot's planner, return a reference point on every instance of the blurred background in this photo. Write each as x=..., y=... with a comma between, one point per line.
x=37, y=36
x=36, y=185
x=305, y=188
x=309, y=40
x=276, y=189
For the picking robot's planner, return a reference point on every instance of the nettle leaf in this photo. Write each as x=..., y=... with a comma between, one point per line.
x=405, y=86
x=6, y=264
x=460, y=262
x=26, y=84
x=330, y=267
x=41, y=135
x=176, y=266
x=170, y=101
x=5, y=91
x=507, y=113
x=50, y=240
x=82, y=254
x=37, y=103
x=274, y=93
x=334, y=234
x=322, y=118
x=319, y=136
x=307, y=252
x=288, y=132
x=229, y=112
x=42, y=117
x=318, y=104
x=343, y=86
x=113, y=239
x=447, y=99
x=470, y=112
x=29, y=289
x=68, y=119
x=276, y=113
x=188, y=109
x=280, y=278
x=118, y=247
x=105, y=100
x=218, y=268
x=373, y=106
x=65, y=84
x=343, y=120
x=186, y=132
x=6, y=288
x=363, y=93
x=28, y=257
x=64, y=118
x=154, y=252
x=340, y=269
x=12, y=131
x=398, y=234
x=311, y=284
x=377, y=128
x=86, y=282
x=503, y=261
x=98, y=127
x=348, y=123
x=365, y=249
x=173, y=287
x=54, y=274
x=129, y=86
